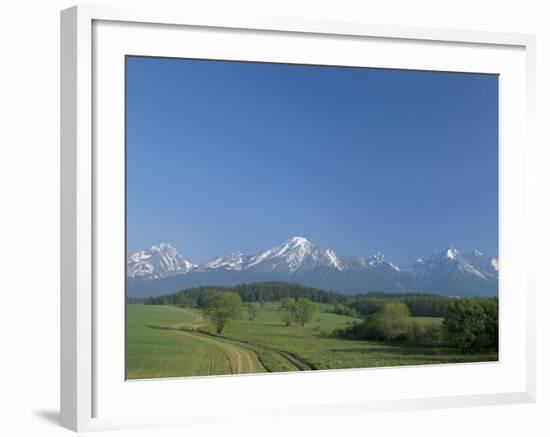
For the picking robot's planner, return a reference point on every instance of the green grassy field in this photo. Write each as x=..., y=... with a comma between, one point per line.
x=165, y=341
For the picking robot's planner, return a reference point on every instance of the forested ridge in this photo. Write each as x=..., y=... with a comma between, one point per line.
x=419, y=304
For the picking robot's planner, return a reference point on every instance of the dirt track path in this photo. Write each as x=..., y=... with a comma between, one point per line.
x=240, y=360
x=193, y=324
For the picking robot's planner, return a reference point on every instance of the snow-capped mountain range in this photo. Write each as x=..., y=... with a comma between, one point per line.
x=161, y=269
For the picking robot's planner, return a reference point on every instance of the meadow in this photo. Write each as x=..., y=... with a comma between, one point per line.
x=169, y=341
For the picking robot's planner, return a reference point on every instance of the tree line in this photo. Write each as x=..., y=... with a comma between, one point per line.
x=254, y=292
x=360, y=305
x=418, y=304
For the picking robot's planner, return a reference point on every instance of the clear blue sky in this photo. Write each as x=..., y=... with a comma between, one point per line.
x=232, y=155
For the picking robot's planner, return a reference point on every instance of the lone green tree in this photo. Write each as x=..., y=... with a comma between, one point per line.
x=288, y=318
x=286, y=304
x=252, y=311
x=303, y=310
x=223, y=307
x=287, y=308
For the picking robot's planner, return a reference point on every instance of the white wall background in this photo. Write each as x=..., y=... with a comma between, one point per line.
x=29, y=215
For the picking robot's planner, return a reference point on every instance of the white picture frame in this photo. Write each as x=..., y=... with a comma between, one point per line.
x=93, y=39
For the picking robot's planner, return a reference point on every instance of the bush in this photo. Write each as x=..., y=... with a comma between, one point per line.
x=390, y=323
x=344, y=310
x=387, y=324
x=393, y=323
x=424, y=334
x=471, y=325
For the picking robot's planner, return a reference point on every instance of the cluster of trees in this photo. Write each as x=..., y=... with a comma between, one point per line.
x=299, y=310
x=344, y=310
x=222, y=307
x=469, y=324
x=393, y=323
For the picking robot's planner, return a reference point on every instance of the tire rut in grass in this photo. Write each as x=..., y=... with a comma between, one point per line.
x=239, y=360
x=298, y=362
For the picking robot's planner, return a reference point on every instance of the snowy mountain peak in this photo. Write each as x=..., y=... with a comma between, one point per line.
x=375, y=259
x=452, y=253
x=298, y=241
x=290, y=256
x=231, y=261
x=448, y=265
x=378, y=259
x=161, y=247
x=300, y=255
x=156, y=262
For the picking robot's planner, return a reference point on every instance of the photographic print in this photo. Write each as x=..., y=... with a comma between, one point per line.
x=284, y=217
